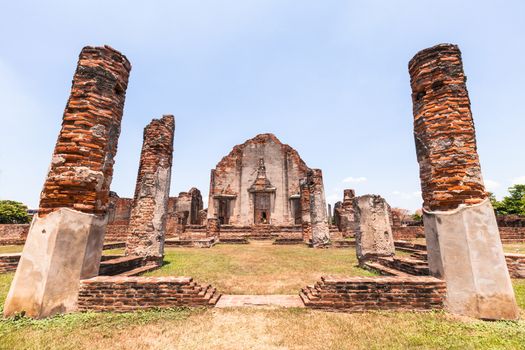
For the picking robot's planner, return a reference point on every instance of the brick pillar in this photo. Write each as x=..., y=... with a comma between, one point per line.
x=460, y=226
x=66, y=237
x=373, y=235
x=305, y=210
x=320, y=229
x=147, y=226
x=347, y=216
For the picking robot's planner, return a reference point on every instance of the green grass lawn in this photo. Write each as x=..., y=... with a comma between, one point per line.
x=259, y=267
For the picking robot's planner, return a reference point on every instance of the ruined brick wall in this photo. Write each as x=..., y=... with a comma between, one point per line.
x=9, y=262
x=82, y=164
x=408, y=232
x=149, y=213
x=375, y=293
x=120, y=211
x=237, y=172
x=444, y=130
x=512, y=234
x=13, y=234
x=516, y=265
x=116, y=233
x=124, y=294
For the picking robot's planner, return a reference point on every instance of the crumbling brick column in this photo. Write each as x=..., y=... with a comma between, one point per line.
x=346, y=213
x=66, y=237
x=305, y=210
x=460, y=226
x=213, y=227
x=318, y=218
x=147, y=227
x=373, y=235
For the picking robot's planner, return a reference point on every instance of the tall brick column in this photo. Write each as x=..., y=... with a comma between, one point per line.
x=318, y=218
x=306, y=223
x=147, y=226
x=460, y=226
x=66, y=237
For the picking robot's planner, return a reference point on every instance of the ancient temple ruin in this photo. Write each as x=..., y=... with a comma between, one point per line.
x=257, y=187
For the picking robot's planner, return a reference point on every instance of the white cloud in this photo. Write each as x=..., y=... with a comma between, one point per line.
x=351, y=179
x=518, y=180
x=492, y=185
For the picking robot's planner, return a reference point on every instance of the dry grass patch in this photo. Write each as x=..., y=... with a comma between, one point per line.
x=11, y=249
x=259, y=267
x=251, y=328
x=515, y=248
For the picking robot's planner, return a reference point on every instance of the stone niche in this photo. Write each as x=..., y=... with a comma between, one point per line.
x=258, y=184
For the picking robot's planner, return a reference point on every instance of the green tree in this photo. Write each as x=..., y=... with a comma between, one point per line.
x=12, y=212
x=514, y=204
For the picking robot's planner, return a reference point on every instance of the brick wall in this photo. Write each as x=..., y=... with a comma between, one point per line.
x=375, y=293
x=516, y=265
x=116, y=233
x=121, y=294
x=444, y=130
x=13, y=234
x=512, y=234
x=408, y=232
x=9, y=262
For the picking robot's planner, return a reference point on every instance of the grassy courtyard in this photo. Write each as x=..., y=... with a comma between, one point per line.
x=260, y=268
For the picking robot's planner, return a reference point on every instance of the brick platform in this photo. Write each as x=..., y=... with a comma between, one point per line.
x=375, y=293
x=122, y=294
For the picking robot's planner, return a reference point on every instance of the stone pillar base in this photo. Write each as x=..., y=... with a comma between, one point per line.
x=61, y=248
x=465, y=249
x=320, y=235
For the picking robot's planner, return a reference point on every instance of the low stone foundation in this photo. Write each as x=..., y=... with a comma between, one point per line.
x=9, y=262
x=516, y=265
x=123, y=294
x=375, y=293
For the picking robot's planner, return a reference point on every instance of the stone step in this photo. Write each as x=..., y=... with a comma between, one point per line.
x=288, y=241
x=229, y=240
x=384, y=270
x=139, y=271
x=119, y=265
x=215, y=298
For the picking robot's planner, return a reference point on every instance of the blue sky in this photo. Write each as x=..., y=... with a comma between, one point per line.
x=327, y=77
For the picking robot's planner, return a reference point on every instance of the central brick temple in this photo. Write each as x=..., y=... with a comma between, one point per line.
x=256, y=189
